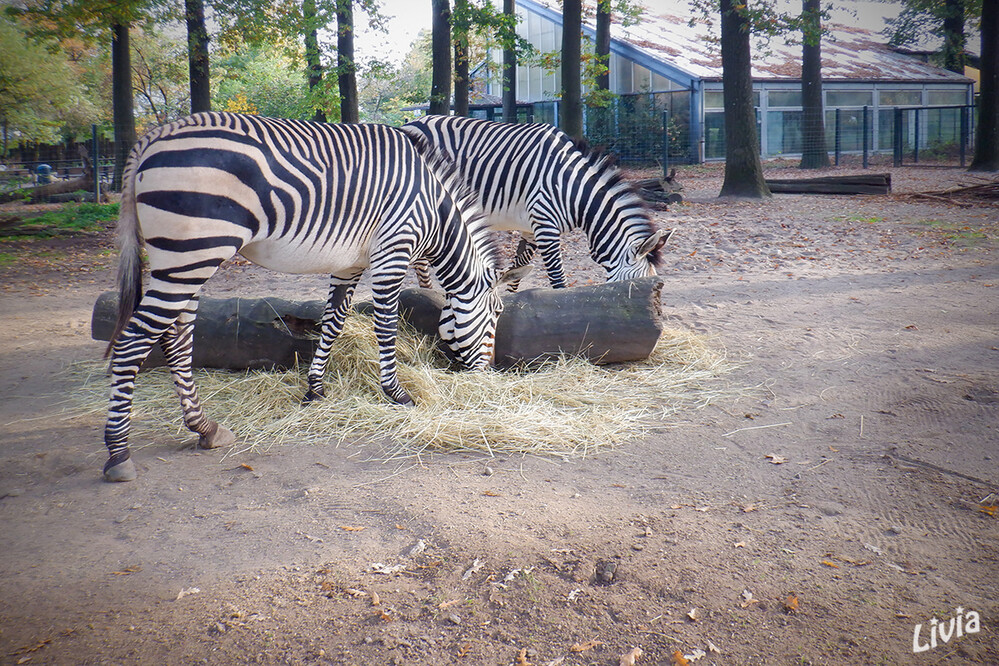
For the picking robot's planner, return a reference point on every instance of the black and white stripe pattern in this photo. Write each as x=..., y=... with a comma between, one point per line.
x=296, y=197
x=535, y=180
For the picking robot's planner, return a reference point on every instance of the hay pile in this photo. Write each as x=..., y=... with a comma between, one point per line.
x=566, y=408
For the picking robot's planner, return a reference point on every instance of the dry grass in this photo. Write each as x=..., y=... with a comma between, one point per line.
x=566, y=408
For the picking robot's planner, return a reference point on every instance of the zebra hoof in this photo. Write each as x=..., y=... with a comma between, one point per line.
x=123, y=471
x=218, y=436
x=313, y=396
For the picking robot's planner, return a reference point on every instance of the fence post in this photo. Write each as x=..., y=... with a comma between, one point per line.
x=665, y=143
x=897, y=137
x=96, y=157
x=866, y=140
x=964, y=132
x=915, y=148
x=837, y=140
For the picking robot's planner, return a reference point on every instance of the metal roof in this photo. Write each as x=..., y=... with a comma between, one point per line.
x=665, y=35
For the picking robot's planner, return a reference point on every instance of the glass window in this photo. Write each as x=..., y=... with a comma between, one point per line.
x=784, y=132
x=714, y=99
x=784, y=98
x=643, y=79
x=660, y=83
x=624, y=79
x=851, y=129
x=900, y=98
x=946, y=97
x=849, y=98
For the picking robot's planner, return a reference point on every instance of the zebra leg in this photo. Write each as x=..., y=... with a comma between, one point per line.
x=525, y=255
x=177, y=344
x=129, y=351
x=341, y=292
x=422, y=267
x=551, y=253
x=388, y=272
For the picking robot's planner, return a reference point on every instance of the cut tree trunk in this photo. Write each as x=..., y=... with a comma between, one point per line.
x=875, y=183
x=608, y=323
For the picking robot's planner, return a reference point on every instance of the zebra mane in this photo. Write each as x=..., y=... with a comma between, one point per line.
x=465, y=199
x=604, y=167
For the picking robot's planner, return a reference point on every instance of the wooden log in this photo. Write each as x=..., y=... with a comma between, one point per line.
x=606, y=323
x=876, y=183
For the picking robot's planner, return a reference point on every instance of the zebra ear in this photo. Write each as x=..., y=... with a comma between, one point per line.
x=514, y=275
x=653, y=242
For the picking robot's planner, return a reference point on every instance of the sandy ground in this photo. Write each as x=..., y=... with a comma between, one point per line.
x=867, y=324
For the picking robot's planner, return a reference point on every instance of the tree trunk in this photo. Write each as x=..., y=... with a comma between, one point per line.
x=813, y=151
x=602, y=47
x=987, y=136
x=743, y=169
x=462, y=87
x=571, y=120
x=121, y=99
x=197, y=56
x=313, y=64
x=509, y=69
x=346, y=67
x=953, y=35
x=440, y=86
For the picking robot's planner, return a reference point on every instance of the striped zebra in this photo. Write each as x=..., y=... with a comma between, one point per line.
x=296, y=197
x=534, y=179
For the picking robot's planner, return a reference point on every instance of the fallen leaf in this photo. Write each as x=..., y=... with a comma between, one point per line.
x=463, y=650
x=749, y=507
x=830, y=564
x=679, y=659
x=246, y=467
x=490, y=493
x=775, y=459
x=713, y=648
x=126, y=571
x=185, y=592
x=702, y=508
x=739, y=544
x=352, y=528
x=588, y=645
x=694, y=615
x=447, y=604
x=695, y=655
x=747, y=599
x=375, y=599
x=354, y=593
x=383, y=616
x=521, y=659
x=791, y=603
x=629, y=658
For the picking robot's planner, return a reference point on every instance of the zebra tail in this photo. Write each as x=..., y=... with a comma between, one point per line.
x=130, y=259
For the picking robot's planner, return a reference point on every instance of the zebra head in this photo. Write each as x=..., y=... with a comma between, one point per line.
x=639, y=258
x=468, y=321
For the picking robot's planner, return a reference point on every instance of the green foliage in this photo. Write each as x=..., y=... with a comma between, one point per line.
x=263, y=81
x=36, y=87
x=160, y=76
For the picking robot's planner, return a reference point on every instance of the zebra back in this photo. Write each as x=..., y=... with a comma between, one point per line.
x=539, y=172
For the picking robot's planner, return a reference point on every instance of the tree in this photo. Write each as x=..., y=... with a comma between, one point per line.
x=944, y=19
x=197, y=50
x=743, y=169
x=440, y=86
x=987, y=137
x=160, y=77
x=261, y=79
x=313, y=62
x=461, y=21
x=813, y=152
x=509, y=66
x=571, y=107
x=602, y=46
x=36, y=87
x=346, y=66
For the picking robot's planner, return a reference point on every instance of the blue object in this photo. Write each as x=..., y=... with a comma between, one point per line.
x=44, y=172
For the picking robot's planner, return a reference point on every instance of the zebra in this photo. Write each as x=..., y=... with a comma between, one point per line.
x=534, y=179
x=297, y=197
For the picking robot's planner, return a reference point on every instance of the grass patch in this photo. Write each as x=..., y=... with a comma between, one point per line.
x=73, y=218
x=7, y=259
x=864, y=219
x=955, y=232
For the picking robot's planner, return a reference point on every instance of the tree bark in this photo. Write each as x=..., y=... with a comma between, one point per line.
x=440, y=86
x=197, y=56
x=509, y=70
x=953, y=34
x=602, y=47
x=987, y=134
x=813, y=151
x=313, y=64
x=571, y=107
x=121, y=98
x=743, y=169
x=462, y=87
x=346, y=66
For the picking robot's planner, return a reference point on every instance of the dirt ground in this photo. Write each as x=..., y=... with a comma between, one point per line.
x=817, y=522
